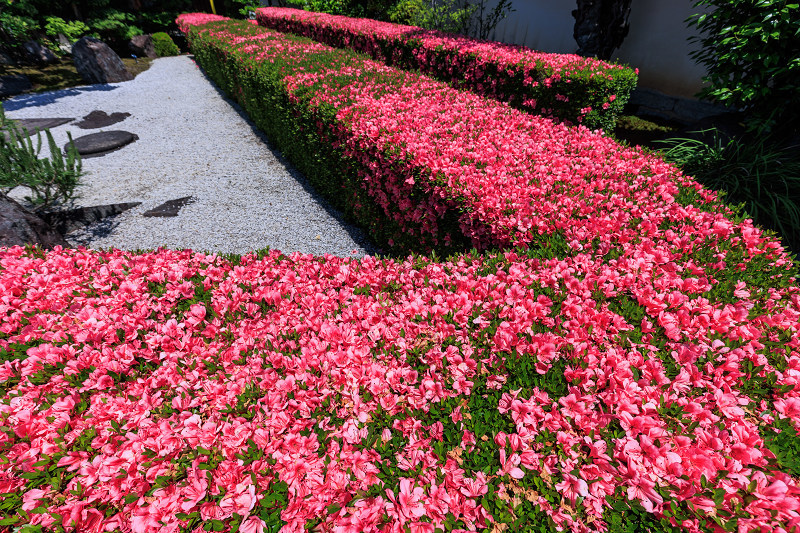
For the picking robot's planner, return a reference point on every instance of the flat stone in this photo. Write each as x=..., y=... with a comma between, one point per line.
x=169, y=208
x=101, y=119
x=71, y=220
x=102, y=143
x=29, y=126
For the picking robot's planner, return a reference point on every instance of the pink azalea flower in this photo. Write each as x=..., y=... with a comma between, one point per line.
x=252, y=524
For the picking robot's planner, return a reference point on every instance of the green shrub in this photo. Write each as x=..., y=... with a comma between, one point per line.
x=72, y=30
x=16, y=28
x=446, y=16
x=751, y=50
x=164, y=45
x=374, y=9
x=115, y=27
x=50, y=181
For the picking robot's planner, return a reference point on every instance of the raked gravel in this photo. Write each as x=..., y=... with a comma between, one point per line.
x=192, y=142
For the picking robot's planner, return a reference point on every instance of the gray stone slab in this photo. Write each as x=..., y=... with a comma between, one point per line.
x=101, y=143
x=29, y=126
x=170, y=208
x=100, y=119
x=74, y=219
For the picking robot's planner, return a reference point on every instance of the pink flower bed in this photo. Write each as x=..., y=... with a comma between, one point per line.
x=574, y=88
x=173, y=391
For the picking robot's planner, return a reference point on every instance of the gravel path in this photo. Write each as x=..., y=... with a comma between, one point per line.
x=192, y=142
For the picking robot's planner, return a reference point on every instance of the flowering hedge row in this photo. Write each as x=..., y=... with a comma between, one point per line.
x=174, y=391
x=577, y=89
x=635, y=369
x=423, y=166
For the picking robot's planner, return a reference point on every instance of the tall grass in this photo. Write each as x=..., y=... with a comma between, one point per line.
x=51, y=181
x=760, y=172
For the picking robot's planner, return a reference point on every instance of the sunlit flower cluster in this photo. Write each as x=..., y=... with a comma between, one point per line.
x=168, y=390
x=187, y=20
x=573, y=88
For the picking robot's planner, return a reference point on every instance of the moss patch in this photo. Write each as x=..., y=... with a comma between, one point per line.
x=63, y=74
x=642, y=131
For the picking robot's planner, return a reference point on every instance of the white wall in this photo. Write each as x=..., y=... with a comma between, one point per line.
x=656, y=44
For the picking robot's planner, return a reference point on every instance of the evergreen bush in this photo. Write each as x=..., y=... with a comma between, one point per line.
x=751, y=50
x=164, y=45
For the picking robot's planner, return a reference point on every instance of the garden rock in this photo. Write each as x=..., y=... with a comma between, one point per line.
x=101, y=143
x=101, y=119
x=74, y=219
x=169, y=208
x=14, y=84
x=38, y=53
x=96, y=62
x=19, y=227
x=142, y=46
x=6, y=59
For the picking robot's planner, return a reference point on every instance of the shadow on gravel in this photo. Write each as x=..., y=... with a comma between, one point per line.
x=41, y=99
x=355, y=232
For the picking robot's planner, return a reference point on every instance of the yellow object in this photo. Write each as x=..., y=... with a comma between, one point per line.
x=212, y=7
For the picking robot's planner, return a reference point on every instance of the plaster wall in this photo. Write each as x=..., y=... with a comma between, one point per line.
x=657, y=42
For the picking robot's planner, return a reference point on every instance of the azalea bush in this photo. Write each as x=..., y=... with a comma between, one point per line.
x=164, y=45
x=632, y=365
x=175, y=391
x=576, y=89
x=425, y=167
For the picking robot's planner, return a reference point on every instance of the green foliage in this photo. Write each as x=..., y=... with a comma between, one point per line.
x=113, y=21
x=164, y=45
x=376, y=9
x=756, y=171
x=17, y=28
x=51, y=181
x=784, y=442
x=247, y=7
x=473, y=18
x=72, y=30
x=115, y=26
x=751, y=50
x=445, y=16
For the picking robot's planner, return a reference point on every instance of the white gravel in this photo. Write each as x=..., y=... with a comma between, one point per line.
x=192, y=142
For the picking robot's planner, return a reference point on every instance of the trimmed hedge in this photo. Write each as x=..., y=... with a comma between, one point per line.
x=572, y=88
x=424, y=167
x=646, y=385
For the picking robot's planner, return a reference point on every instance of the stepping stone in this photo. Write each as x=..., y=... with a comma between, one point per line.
x=29, y=126
x=169, y=208
x=73, y=219
x=102, y=143
x=101, y=119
